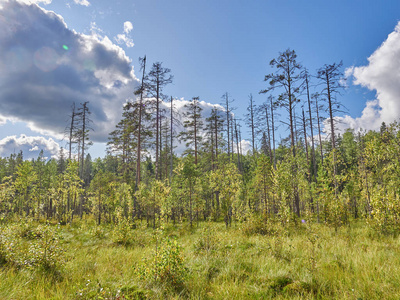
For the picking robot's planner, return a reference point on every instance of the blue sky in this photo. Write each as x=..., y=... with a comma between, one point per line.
x=212, y=47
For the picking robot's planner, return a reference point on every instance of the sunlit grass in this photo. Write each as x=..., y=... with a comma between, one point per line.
x=353, y=263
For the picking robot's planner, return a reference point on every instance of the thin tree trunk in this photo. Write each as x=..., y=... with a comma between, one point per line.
x=273, y=131
x=195, y=131
x=319, y=130
x=157, y=127
x=172, y=141
x=71, y=131
x=312, y=130
x=227, y=123
x=268, y=133
x=305, y=135
x=139, y=144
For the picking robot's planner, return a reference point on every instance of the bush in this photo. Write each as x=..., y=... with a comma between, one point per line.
x=9, y=247
x=122, y=232
x=207, y=242
x=45, y=252
x=166, y=266
x=257, y=225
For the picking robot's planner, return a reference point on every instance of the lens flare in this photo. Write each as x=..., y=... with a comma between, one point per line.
x=46, y=59
x=65, y=47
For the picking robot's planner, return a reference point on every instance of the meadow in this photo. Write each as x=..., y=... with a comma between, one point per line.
x=249, y=260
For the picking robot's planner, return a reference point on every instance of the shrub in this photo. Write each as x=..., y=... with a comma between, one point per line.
x=9, y=246
x=207, y=242
x=122, y=232
x=258, y=225
x=46, y=252
x=166, y=266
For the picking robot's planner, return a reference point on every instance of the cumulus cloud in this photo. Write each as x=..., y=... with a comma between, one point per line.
x=3, y=120
x=245, y=145
x=381, y=75
x=30, y=146
x=46, y=67
x=82, y=2
x=128, y=27
x=124, y=38
x=45, y=2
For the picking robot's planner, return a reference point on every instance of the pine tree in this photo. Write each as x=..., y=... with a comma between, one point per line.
x=250, y=122
x=156, y=80
x=193, y=126
x=213, y=135
x=288, y=80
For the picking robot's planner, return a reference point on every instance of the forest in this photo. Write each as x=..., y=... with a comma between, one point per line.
x=315, y=215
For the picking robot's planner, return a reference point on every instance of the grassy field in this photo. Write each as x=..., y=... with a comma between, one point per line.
x=86, y=261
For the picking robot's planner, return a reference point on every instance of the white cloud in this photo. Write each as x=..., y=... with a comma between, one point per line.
x=82, y=2
x=128, y=27
x=45, y=2
x=30, y=146
x=245, y=145
x=124, y=38
x=381, y=75
x=46, y=66
x=3, y=120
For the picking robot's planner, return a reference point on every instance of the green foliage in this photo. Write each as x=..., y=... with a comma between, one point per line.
x=36, y=247
x=166, y=267
x=46, y=252
x=208, y=242
x=227, y=182
x=259, y=225
x=122, y=232
x=10, y=246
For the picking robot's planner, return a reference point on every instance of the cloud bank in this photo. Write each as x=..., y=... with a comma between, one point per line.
x=381, y=75
x=46, y=67
x=30, y=146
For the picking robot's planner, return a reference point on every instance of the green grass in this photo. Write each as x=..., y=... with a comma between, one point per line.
x=298, y=263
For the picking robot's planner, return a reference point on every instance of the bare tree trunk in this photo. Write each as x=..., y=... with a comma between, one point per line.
x=312, y=130
x=195, y=131
x=319, y=129
x=227, y=123
x=268, y=133
x=305, y=135
x=138, y=151
x=273, y=131
x=172, y=143
x=237, y=146
x=71, y=130
x=157, y=127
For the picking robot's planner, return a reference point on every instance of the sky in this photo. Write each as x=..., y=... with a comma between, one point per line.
x=55, y=52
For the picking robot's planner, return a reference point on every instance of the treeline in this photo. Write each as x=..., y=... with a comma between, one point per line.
x=357, y=180
x=349, y=176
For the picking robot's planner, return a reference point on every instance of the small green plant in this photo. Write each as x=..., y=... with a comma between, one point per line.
x=207, y=242
x=122, y=232
x=257, y=225
x=98, y=231
x=46, y=252
x=166, y=267
x=313, y=240
x=10, y=246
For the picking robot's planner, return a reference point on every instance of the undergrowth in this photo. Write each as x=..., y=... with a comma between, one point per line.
x=247, y=261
